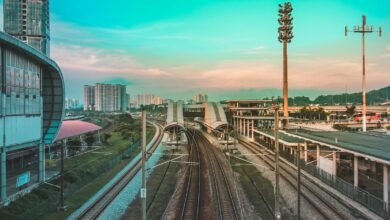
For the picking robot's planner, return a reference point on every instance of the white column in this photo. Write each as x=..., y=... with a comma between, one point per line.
x=318, y=155
x=245, y=126
x=305, y=151
x=247, y=129
x=253, y=128
x=334, y=167
x=385, y=183
x=355, y=171
x=240, y=126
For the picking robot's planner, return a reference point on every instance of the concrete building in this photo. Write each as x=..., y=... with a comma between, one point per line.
x=89, y=98
x=71, y=103
x=158, y=100
x=128, y=101
x=28, y=20
x=147, y=99
x=32, y=109
x=110, y=98
x=201, y=98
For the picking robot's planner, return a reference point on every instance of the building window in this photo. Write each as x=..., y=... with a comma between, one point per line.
x=22, y=86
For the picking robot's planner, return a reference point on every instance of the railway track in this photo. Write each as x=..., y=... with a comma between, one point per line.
x=191, y=201
x=186, y=203
x=99, y=205
x=223, y=193
x=327, y=206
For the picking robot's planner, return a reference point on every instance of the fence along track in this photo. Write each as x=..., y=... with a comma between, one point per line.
x=98, y=206
x=309, y=194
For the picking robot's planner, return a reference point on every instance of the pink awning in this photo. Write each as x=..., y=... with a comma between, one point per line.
x=73, y=128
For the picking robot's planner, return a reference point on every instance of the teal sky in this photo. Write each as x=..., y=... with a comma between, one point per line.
x=228, y=49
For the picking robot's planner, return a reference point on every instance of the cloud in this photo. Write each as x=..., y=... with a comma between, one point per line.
x=97, y=55
x=119, y=80
x=255, y=50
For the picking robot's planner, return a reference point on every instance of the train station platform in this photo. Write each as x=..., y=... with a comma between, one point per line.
x=354, y=163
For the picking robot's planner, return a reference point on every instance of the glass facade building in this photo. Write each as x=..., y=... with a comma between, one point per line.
x=31, y=113
x=28, y=20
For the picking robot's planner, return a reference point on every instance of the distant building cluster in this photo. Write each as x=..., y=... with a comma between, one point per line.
x=147, y=99
x=28, y=20
x=201, y=98
x=71, y=103
x=105, y=98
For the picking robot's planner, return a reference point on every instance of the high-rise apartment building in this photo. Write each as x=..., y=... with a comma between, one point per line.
x=89, y=98
x=201, y=98
x=28, y=20
x=71, y=103
x=105, y=98
x=147, y=99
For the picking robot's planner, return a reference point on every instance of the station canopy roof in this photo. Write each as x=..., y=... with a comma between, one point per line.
x=72, y=128
x=377, y=146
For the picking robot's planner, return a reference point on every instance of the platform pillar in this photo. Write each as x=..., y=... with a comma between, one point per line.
x=334, y=163
x=385, y=184
x=3, y=190
x=318, y=155
x=41, y=171
x=240, y=126
x=356, y=171
x=305, y=152
x=247, y=129
x=253, y=128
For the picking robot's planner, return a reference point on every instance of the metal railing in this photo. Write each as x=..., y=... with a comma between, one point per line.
x=372, y=202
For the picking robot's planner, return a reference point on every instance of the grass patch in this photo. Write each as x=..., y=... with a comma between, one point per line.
x=84, y=176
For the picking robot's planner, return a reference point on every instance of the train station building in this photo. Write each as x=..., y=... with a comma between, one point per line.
x=32, y=109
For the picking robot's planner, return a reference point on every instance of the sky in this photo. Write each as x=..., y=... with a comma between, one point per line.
x=227, y=49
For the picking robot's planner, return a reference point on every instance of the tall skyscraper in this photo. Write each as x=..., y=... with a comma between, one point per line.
x=28, y=20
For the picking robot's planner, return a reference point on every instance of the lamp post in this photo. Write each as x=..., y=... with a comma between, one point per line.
x=277, y=202
x=143, y=145
x=285, y=36
x=363, y=30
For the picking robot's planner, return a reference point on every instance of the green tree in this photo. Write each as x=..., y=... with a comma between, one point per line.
x=350, y=110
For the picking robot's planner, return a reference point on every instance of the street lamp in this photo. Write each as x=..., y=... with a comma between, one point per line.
x=363, y=30
x=285, y=36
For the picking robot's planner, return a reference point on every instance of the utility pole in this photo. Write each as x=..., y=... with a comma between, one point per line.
x=277, y=202
x=363, y=30
x=299, y=182
x=285, y=36
x=62, y=206
x=143, y=145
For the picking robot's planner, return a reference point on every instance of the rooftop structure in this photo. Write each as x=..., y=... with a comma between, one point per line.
x=73, y=128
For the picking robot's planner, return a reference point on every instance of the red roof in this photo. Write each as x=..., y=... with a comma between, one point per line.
x=73, y=128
